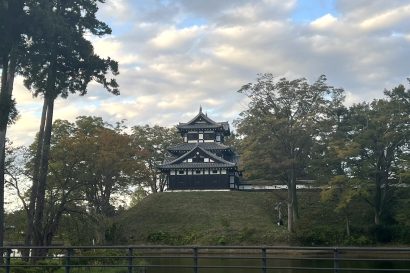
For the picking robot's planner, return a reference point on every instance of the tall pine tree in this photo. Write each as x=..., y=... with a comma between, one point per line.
x=60, y=61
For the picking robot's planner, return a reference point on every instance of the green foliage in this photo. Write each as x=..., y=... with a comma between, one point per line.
x=358, y=240
x=160, y=237
x=371, y=149
x=284, y=127
x=152, y=144
x=44, y=266
x=283, y=120
x=319, y=236
x=93, y=257
x=8, y=110
x=59, y=59
x=138, y=195
x=381, y=233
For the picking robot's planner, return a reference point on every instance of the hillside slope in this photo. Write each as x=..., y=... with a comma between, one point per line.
x=210, y=218
x=249, y=218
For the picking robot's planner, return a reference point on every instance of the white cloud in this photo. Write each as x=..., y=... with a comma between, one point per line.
x=176, y=38
x=25, y=129
x=170, y=65
x=386, y=19
x=325, y=21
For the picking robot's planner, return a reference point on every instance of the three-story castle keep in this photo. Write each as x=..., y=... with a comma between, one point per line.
x=202, y=161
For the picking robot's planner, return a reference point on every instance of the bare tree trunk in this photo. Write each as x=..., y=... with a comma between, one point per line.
x=293, y=212
x=290, y=218
x=377, y=220
x=6, y=90
x=2, y=180
x=33, y=195
x=39, y=239
x=291, y=227
x=3, y=128
x=347, y=226
x=377, y=201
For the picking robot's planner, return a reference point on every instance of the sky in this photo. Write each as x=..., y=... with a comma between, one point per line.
x=176, y=55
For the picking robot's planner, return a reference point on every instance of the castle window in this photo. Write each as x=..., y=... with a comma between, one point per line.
x=189, y=159
x=206, y=159
x=201, y=136
x=192, y=136
x=198, y=172
x=181, y=172
x=214, y=171
x=209, y=136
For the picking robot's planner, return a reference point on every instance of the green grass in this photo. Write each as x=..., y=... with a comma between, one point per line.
x=207, y=218
x=241, y=218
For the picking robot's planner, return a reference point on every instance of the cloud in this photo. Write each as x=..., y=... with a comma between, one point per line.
x=325, y=21
x=388, y=19
x=177, y=55
x=174, y=38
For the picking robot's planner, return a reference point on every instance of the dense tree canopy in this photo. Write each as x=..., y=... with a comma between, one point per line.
x=284, y=122
x=378, y=134
x=152, y=143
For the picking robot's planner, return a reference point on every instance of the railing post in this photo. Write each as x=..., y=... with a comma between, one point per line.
x=195, y=259
x=335, y=260
x=264, y=260
x=130, y=253
x=68, y=260
x=8, y=258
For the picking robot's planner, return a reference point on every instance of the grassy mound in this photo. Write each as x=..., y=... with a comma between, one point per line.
x=206, y=218
x=248, y=218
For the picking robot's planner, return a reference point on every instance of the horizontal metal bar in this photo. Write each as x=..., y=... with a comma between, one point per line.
x=370, y=249
x=225, y=253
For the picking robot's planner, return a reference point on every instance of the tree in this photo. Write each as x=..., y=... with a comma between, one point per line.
x=91, y=163
x=11, y=29
x=380, y=131
x=109, y=163
x=283, y=123
x=153, y=143
x=60, y=61
x=343, y=191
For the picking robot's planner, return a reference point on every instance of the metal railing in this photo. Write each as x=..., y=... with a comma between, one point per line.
x=195, y=259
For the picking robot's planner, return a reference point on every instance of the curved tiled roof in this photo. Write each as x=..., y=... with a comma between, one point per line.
x=205, y=145
x=186, y=165
x=174, y=164
x=199, y=126
x=204, y=123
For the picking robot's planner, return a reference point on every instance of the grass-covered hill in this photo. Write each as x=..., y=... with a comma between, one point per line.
x=233, y=217
x=203, y=218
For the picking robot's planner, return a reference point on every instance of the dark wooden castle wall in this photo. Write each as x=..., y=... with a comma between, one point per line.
x=186, y=182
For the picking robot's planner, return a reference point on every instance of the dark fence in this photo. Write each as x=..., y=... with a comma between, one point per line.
x=195, y=259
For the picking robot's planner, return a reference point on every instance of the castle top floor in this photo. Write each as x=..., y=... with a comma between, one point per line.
x=203, y=129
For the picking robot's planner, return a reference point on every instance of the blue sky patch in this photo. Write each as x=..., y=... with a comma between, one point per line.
x=309, y=10
x=191, y=21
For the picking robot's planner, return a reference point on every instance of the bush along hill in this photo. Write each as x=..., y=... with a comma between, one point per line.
x=250, y=218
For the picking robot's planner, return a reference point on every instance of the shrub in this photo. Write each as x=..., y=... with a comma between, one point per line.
x=46, y=266
x=381, y=233
x=319, y=236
